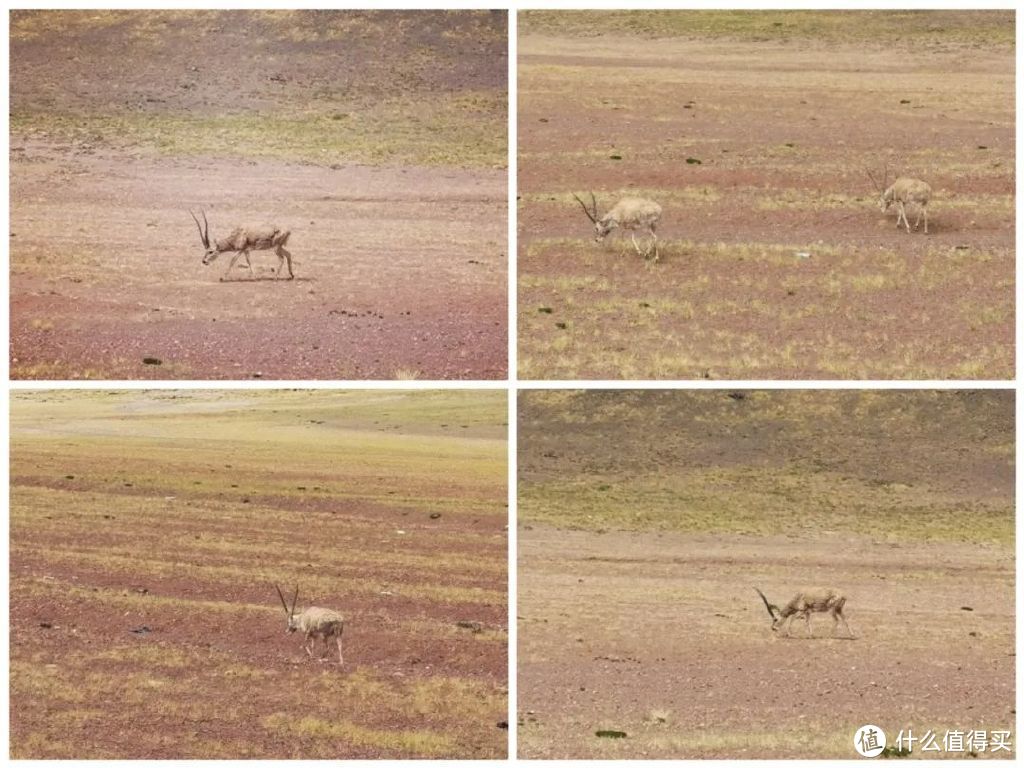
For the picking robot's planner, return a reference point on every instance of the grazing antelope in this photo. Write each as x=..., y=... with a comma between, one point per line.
x=633, y=213
x=245, y=239
x=804, y=603
x=903, y=192
x=314, y=622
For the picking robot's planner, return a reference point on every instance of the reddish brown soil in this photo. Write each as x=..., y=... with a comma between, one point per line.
x=647, y=518
x=110, y=534
x=401, y=270
x=616, y=626
x=106, y=271
x=614, y=113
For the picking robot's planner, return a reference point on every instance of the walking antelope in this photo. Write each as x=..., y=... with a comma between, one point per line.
x=903, y=192
x=804, y=603
x=631, y=213
x=313, y=623
x=244, y=239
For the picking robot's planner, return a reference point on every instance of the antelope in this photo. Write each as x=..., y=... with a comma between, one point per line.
x=631, y=213
x=804, y=603
x=903, y=192
x=245, y=239
x=314, y=622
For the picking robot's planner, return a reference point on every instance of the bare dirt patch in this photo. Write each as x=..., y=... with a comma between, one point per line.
x=776, y=262
x=390, y=176
x=647, y=518
x=618, y=629
x=148, y=529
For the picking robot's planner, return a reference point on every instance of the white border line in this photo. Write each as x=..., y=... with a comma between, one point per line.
x=511, y=383
x=5, y=281
x=513, y=394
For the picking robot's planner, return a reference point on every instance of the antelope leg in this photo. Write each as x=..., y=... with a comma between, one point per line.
x=231, y=265
x=632, y=236
x=283, y=254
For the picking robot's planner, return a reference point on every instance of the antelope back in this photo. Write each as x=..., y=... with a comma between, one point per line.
x=911, y=190
x=319, y=621
x=635, y=209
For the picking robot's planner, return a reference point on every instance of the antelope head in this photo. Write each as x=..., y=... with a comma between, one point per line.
x=773, y=610
x=204, y=235
x=289, y=613
x=884, y=198
x=601, y=225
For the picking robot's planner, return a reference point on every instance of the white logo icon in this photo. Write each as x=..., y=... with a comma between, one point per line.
x=869, y=740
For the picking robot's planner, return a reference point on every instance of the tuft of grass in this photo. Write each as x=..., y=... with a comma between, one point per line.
x=754, y=323
x=418, y=743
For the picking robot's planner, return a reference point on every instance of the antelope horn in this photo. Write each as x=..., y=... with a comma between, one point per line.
x=771, y=608
x=283, y=603
x=206, y=229
x=591, y=216
x=295, y=599
x=874, y=181
x=204, y=238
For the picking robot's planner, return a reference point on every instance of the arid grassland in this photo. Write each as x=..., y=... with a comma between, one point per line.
x=648, y=518
x=148, y=530
x=755, y=132
x=379, y=139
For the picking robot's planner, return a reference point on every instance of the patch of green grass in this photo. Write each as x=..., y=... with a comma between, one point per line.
x=764, y=503
x=771, y=463
x=465, y=130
